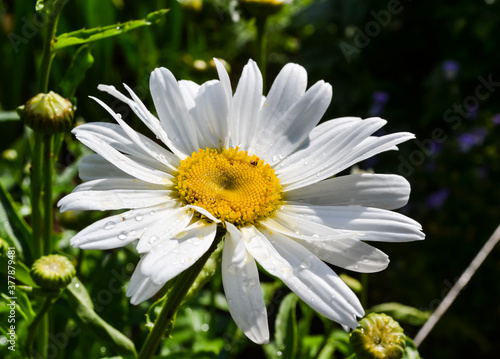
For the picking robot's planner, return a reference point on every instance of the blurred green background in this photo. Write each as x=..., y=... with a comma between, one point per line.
x=431, y=68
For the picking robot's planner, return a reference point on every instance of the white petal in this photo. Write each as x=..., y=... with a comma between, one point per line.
x=173, y=112
x=224, y=79
x=288, y=132
x=365, y=189
x=287, y=89
x=145, y=144
x=342, y=250
x=143, y=113
x=240, y=279
x=120, y=230
x=307, y=276
x=113, y=199
x=189, y=89
x=141, y=288
x=160, y=232
x=94, y=167
x=373, y=223
x=106, y=184
x=178, y=253
x=327, y=144
x=211, y=115
x=101, y=144
x=204, y=212
x=246, y=107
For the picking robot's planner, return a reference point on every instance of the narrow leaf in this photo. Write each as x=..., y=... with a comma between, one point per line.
x=84, y=36
x=22, y=271
x=81, y=62
x=286, y=327
x=13, y=226
x=80, y=303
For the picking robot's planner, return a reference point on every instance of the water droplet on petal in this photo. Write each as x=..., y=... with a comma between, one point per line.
x=152, y=213
x=109, y=225
x=152, y=239
x=123, y=235
x=306, y=263
x=138, y=218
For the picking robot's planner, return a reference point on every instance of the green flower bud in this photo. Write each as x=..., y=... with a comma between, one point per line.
x=47, y=113
x=52, y=271
x=378, y=337
x=263, y=8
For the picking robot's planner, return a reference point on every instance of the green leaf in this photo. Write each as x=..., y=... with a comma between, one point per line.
x=22, y=271
x=338, y=340
x=80, y=303
x=190, y=354
x=81, y=62
x=9, y=116
x=84, y=36
x=13, y=226
x=411, y=351
x=402, y=313
x=286, y=327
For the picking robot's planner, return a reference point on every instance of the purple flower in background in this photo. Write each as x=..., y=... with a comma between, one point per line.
x=436, y=199
x=450, y=69
x=496, y=119
x=473, y=138
x=380, y=98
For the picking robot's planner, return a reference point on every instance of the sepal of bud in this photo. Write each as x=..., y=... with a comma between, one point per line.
x=47, y=113
x=378, y=336
x=52, y=272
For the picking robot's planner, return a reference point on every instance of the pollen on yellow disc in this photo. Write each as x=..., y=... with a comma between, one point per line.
x=230, y=184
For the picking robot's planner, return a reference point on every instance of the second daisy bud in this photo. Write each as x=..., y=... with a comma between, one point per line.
x=48, y=113
x=378, y=337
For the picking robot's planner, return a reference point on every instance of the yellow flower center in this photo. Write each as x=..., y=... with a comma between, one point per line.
x=230, y=184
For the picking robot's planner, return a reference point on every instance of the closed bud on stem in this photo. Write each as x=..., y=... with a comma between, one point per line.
x=47, y=113
x=262, y=8
x=378, y=337
x=52, y=271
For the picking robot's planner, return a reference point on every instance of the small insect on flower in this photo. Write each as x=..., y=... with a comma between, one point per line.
x=260, y=170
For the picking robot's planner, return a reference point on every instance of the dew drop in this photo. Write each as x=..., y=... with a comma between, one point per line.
x=122, y=235
x=279, y=353
x=306, y=162
x=356, y=267
x=109, y=225
x=205, y=327
x=152, y=213
x=275, y=158
x=306, y=263
x=138, y=218
x=77, y=285
x=152, y=239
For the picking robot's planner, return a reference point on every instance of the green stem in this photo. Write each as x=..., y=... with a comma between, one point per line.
x=164, y=323
x=32, y=329
x=36, y=189
x=261, y=48
x=48, y=155
x=47, y=54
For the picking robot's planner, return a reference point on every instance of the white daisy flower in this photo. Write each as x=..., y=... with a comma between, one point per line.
x=258, y=168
